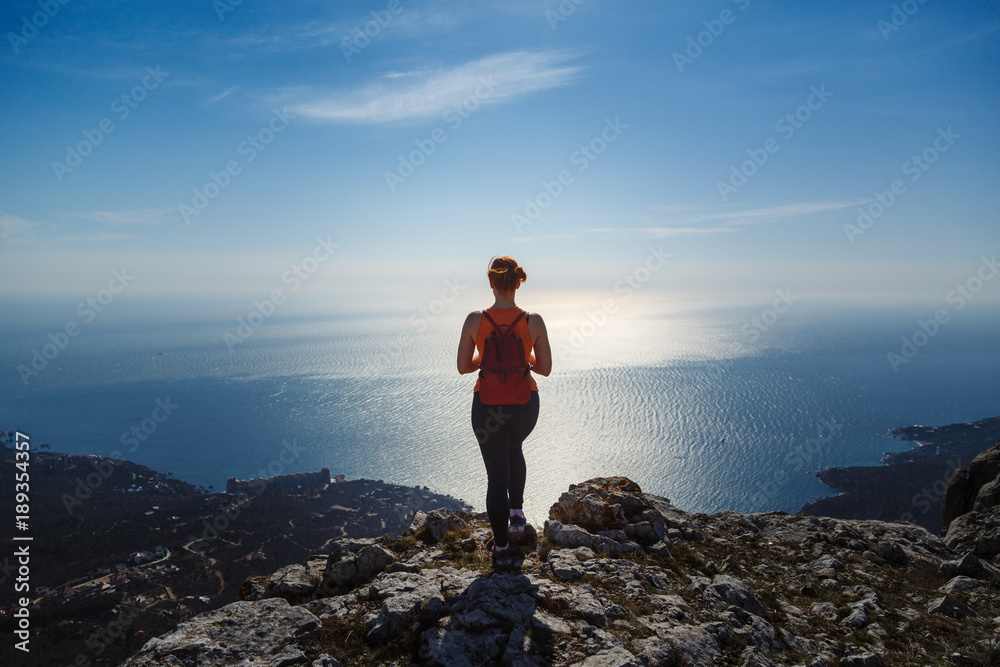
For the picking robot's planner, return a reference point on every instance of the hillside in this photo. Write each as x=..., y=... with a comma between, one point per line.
x=93, y=600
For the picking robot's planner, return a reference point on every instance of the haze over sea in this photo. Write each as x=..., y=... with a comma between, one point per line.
x=683, y=398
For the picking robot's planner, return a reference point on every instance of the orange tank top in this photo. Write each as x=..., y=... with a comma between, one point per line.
x=504, y=316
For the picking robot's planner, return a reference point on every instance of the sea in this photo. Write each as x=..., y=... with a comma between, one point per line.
x=716, y=407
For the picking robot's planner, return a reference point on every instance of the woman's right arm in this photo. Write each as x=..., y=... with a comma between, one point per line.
x=540, y=345
x=467, y=361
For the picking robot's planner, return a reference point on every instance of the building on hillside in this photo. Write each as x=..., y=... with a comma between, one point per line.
x=57, y=462
x=140, y=557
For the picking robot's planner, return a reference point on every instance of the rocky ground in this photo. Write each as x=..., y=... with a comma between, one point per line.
x=617, y=578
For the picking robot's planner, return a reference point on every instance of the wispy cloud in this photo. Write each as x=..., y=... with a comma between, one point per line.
x=529, y=239
x=221, y=96
x=90, y=238
x=413, y=95
x=17, y=231
x=11, y=225
x=663, y=232
x=728, y=221
x=749, y=216
x=137, y=217
x=777, y=213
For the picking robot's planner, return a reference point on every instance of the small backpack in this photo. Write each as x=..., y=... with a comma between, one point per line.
x=504, y=377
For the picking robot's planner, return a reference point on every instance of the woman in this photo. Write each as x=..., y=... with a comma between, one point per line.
x=502, y=428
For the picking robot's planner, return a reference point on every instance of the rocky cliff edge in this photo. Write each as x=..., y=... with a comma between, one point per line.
x=618, y=578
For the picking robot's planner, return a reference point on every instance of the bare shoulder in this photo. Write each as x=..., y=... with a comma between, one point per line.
x=535, y=322
x=472, y=320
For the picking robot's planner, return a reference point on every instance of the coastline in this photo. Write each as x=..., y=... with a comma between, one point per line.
x=909, y=485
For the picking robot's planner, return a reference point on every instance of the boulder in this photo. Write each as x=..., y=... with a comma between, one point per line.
x=655, y=651
x=433, y=525
x=612, y=516
x=861, y=660
x=694, y=645
x=569, y=564
x=752, y=657
x=261, y=633
x=977, y=532
x=891, y=552
x=975, y=488
x=857, y=618
x=296, y=583
x=599, y=504
x=346, y=569
x=949, y=606
x=968, y=565
x=725, y=591
x=571, y=536
x=825, y=609
x=962, y=584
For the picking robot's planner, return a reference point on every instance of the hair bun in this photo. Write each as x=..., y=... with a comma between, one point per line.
x=505, y=274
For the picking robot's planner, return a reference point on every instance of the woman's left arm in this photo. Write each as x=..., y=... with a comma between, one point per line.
x=540, y=345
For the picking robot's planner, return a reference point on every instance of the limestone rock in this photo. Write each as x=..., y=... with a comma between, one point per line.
x=599, y=504
x=570, y=564
x=605, y=650
x=726, y=590
x=961, y=584
x=347, y=568
x=857, y=618
x=436, y=523
x=968, y=565
x=949, y=606
x=295, y=583
x=655, y=651
x=440, y=646
x=861, y=660
x=332, y=607
x=891, y=552
x=977, y=532
x=694, y=645
x=752, y=657
x=568, y=535
x=255, y=634
x=825, y=609
x=973, y=488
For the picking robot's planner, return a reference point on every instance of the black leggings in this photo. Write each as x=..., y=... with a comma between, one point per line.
x=500, y=430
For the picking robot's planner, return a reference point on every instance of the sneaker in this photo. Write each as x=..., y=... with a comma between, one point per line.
x=517, y=524
x=501, y=557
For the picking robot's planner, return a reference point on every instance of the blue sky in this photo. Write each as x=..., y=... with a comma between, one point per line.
x=644, y=110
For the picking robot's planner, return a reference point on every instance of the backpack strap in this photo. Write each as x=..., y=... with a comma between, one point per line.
x=487, y=316
x=510, y=326
x=516, y=320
